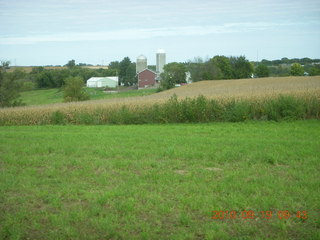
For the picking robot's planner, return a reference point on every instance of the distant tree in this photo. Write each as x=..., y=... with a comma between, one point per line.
x=36, y=70
x=305, y=61
x=44, y=79
x=203, y=70
x=241, y=67
x=195, y=67
x=314, y=70
x=224, y=67
x=285, y=60
x=114, y=65
x=71, y=64
x=266, y=62
x=82, y=64
x=4, y=65
x=131, y=78
x=173, y=73
x=152, y=67
x=296, y=70
x=73, y=90
x=210, y=70
x=9, y=88
x=279, y=71
x=262, y=71
x=123, y=66
x=220, y=67
x=127, y=72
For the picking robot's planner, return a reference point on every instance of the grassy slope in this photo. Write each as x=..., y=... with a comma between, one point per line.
x=44, y=96
x=48, y=96
x=159, y=181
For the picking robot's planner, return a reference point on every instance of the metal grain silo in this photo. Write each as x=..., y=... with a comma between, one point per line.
x=141, y=63
x=161, y=60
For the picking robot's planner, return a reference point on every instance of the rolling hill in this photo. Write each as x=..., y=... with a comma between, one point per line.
x=244, y=88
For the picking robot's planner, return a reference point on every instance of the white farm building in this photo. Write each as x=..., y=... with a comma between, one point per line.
x=97, y=82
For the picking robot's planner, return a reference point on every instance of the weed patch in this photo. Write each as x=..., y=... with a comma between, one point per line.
x=188, y=110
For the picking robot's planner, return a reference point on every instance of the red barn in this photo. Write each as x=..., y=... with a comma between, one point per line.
x=146, y=78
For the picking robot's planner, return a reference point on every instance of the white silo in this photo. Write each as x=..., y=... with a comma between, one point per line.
x=161, y=60
x=141, y=63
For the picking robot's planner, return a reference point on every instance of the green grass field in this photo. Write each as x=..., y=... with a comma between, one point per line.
x=42, y=96
x=160, y=181
x=55, y=95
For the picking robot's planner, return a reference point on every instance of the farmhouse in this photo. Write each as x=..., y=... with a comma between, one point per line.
x=146, y=78
x=96, y=82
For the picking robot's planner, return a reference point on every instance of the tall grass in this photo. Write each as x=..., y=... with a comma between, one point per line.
x=188, y=110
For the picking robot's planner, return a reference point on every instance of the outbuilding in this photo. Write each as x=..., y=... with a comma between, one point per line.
x=146, y=78
x=97, y=82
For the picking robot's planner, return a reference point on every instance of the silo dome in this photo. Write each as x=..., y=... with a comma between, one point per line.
x=141, y=63
x=141, y=57
x=161, y=51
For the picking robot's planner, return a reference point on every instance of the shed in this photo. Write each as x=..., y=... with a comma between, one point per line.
x=96, y=82
x=146, y=78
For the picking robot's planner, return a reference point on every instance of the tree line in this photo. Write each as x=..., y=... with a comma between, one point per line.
x=215, y=68
x=222, y=67
x=302, y=61
x=71, y=78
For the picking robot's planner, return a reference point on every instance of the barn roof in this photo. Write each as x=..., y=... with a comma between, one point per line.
x=96, y=79
x=147, y=69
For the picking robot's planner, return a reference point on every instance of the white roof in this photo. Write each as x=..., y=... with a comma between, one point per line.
x=96, y=79
x=114, y=78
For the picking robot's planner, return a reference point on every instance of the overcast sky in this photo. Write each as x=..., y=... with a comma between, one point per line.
x=51, y=32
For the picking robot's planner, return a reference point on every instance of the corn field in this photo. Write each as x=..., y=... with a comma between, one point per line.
x=208, y=101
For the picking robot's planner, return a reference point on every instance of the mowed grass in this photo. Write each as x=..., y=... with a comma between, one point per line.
x=159, y=181
x=42, y=96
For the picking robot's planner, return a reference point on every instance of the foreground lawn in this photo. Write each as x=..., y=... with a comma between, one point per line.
x=161, y=181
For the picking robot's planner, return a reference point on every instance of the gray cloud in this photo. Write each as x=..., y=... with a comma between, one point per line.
x=143, y=33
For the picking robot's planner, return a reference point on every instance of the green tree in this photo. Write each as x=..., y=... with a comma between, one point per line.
x=5, y=65
x=210, y=70
x=314, y=70
x=127, y=72
x=285, y=60
x=296, y=70
x=36, y=70
x=73, y=90
x=173, y=73
x=195, y=67
x=262, y=71
x=241, y=67
x=71, y=64
x=223, y=65
x=44, y=79
x=114, y=65
x=9, y=87
x=131, y=78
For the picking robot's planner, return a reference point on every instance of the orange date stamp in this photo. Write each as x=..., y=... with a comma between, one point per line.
x=285, y=214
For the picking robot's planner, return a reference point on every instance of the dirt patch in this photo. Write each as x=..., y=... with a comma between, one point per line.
x=181, y=172
x=213, y=169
